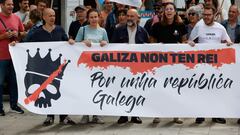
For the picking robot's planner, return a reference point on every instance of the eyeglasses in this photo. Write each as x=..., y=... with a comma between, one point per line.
x=157, y=8
x=169, y=9
x=191, y=14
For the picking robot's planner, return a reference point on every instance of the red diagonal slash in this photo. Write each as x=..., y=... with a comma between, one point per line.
x=49, y=80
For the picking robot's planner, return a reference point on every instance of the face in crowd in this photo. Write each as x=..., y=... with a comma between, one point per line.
x=132, y=17
x=81, y=14
x=120, y=6
x=7, y=7
x=233, y=13
x=93, y=17
x=49, y=16
x=158, y=9
x=24, y=5
x=122, y=18
x=208, y=2
x=169, y=11
x=193, y=16
x=208, y=16
x=41, y=6
x=108, y=5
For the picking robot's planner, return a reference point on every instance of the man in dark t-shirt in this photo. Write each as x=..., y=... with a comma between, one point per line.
x=49, y=32
x=80, y=21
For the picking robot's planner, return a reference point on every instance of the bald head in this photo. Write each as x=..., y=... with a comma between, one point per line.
x=133, y=17
x=233, y=13
x=47, y=11
x=133, y=12
x=49, y=16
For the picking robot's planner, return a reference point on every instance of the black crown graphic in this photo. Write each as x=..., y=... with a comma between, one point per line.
x=46, y=65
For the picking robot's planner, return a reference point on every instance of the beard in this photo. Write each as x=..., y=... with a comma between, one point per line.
x=130, y=23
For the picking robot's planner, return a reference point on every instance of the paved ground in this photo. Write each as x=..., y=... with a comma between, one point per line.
x=29, y=123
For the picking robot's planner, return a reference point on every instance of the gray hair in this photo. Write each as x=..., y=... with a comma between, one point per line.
x=196, y=9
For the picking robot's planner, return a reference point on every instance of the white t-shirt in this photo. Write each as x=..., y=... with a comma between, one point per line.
x=209, y=34
x=24, y=17
x=131, y=35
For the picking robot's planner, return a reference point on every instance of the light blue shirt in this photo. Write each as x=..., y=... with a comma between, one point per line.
x=94, y=35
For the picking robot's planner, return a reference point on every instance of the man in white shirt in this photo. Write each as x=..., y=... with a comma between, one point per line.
x=209, y=31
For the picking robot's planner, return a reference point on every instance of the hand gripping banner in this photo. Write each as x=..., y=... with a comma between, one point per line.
x=165, y=80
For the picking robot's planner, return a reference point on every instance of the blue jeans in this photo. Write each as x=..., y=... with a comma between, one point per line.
x=7, y=72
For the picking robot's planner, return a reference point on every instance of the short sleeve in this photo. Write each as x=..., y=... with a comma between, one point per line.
x=225, y=35
x=105, y=37
x=79, y=36
x=194, y=33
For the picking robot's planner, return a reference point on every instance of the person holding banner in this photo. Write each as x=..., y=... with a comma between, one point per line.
x=232, y=24
x=209, y=31
x=87, y=35
x=169, y=30
x=45, y=33
x=11, y=29
x=130, y=33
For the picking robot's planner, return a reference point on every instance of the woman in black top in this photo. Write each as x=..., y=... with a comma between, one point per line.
x=169, y=30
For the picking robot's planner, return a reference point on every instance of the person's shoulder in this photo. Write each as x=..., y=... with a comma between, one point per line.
x=141, y=28
x=121, y=28
x=156, y=25
x=75, y=22
x=39, y=29
x=58, y=27
x=15, y=15
x=218, y=25
x=199, y=23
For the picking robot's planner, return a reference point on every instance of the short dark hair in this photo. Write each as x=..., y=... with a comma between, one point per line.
x=92, y=10
x=44, y=1
x=20, y=1
x=211, y=8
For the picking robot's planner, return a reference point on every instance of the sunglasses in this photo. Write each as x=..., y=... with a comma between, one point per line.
x=191, y=14
x=157, y=8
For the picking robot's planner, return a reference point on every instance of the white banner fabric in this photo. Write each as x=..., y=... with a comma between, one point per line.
x=134, y=3
x=165, y=80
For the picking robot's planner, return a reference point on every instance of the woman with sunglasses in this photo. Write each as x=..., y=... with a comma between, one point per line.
x=194, y=14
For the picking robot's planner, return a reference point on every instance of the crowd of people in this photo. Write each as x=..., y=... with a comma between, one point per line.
x=115, y=23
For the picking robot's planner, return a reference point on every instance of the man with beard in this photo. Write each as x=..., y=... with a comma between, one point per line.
x=130, y=33
x=23, y=13
x=209, y=31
